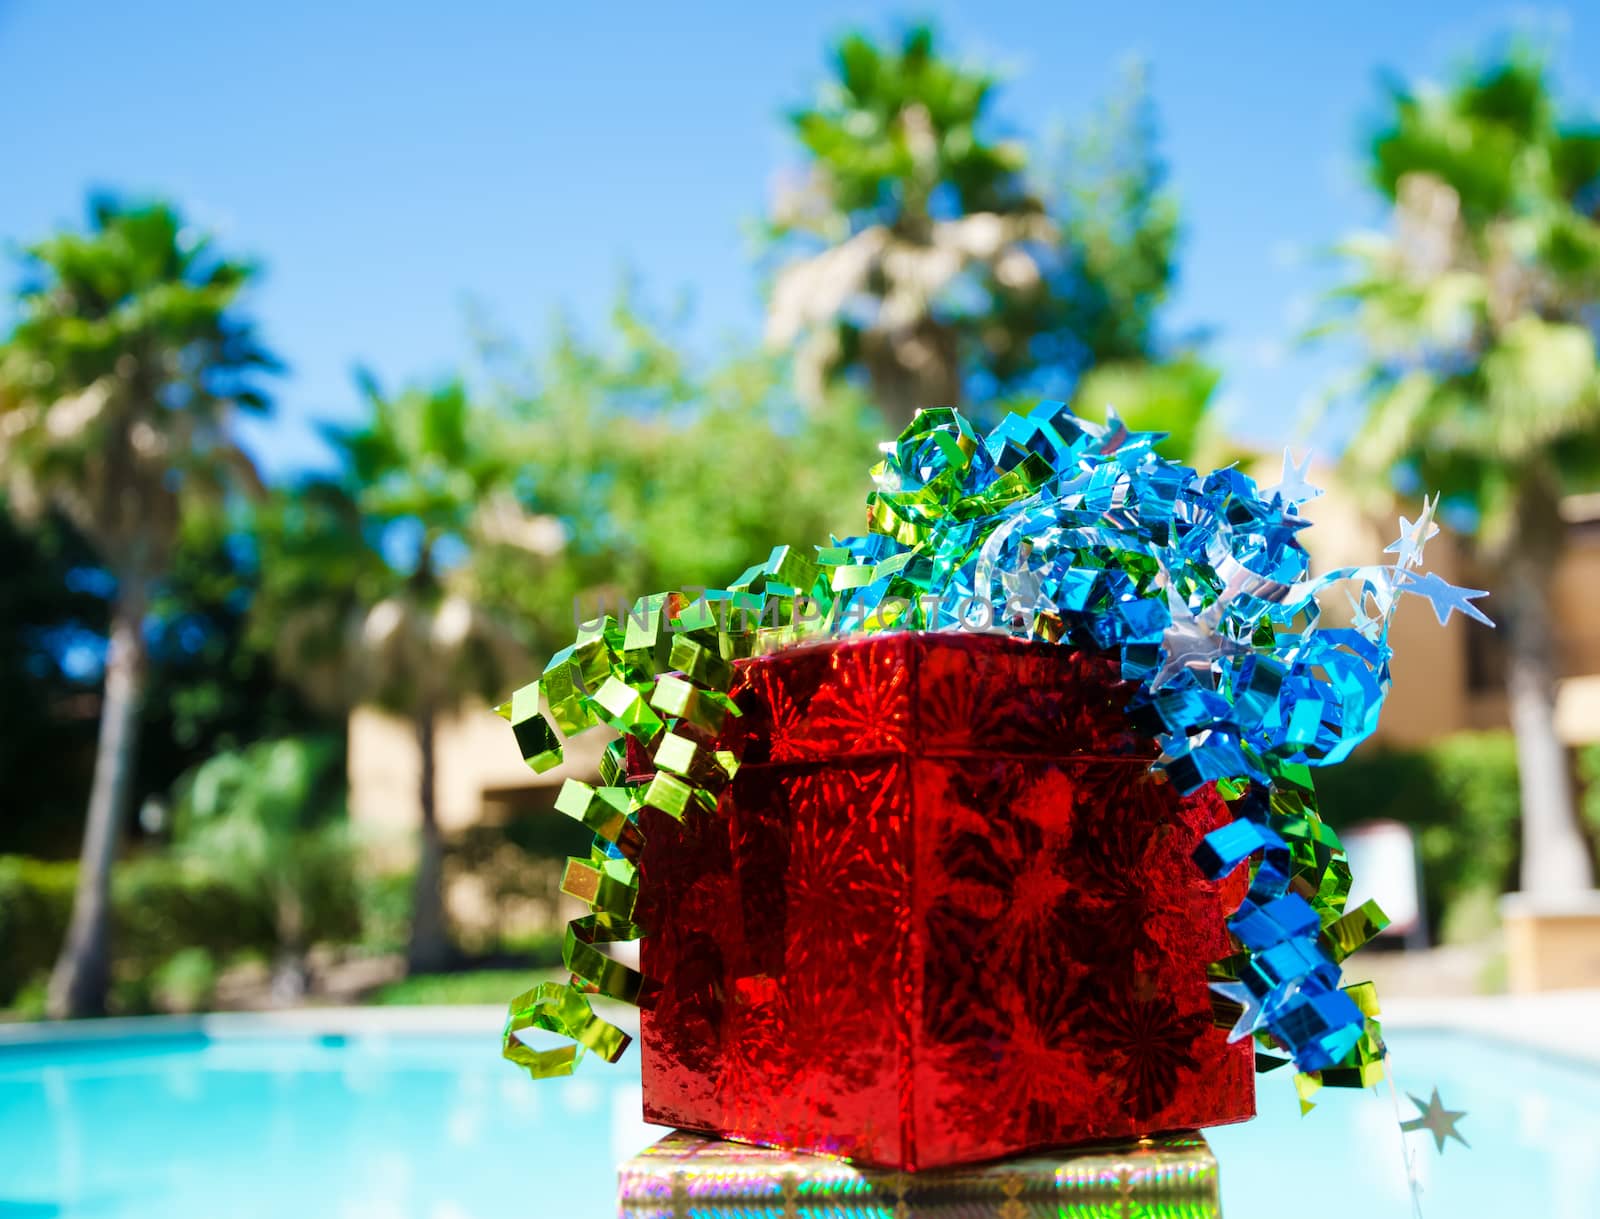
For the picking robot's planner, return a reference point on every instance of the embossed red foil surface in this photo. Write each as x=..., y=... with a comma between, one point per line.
x=944, y=914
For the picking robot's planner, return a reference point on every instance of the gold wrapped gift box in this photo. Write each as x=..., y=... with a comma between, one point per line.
x=690, y=1176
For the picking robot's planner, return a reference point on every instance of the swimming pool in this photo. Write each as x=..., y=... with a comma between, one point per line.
x=399, y=1123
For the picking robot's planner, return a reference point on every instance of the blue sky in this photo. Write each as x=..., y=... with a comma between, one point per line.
x=392, y=162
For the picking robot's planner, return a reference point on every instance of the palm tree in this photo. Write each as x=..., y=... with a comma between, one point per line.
x=118, y=385
x=925, y=255
x=906, y=196
x=369, y=592
x=1477, y=314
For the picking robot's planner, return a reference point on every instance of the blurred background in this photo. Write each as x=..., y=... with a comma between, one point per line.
x=350, y=354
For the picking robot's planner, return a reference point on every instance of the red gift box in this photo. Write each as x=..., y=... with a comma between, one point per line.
x=944, y=913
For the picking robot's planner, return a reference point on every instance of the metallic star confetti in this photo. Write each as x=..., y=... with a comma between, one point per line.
x=1292, y=488
x=1413, y=537
x=1445, y=598
x=1437, y=1121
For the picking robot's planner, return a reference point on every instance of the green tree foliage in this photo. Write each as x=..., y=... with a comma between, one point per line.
x=470, y=530
x=1107, y=187
x=1097, y=335
x=213, y=686
x=117, y=387
x=165, y=904
x=914, y=228
x=47, y=615
x=931, y=259
x=210, y=687
x=1458, y=796
x=368, y=593
x=639, y=470
x=1476, y=315
x=268, y=820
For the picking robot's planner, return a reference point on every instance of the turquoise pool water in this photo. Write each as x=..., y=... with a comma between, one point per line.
x=433, y=1126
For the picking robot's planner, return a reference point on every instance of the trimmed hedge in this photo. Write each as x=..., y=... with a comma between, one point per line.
x=35, y=903
x=159, y=908
x=1459, y=797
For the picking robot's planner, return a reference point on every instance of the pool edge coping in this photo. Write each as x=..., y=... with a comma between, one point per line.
x=1557, y=1023
x=306, y=1021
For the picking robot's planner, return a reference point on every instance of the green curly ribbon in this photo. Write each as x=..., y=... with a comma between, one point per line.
x=558, y=1007
x=660, y=679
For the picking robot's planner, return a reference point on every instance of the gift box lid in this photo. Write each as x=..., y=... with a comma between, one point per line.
x=929, y=693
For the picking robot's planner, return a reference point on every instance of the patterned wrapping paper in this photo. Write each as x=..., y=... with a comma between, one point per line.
x=944, y=913
x=689, y=1176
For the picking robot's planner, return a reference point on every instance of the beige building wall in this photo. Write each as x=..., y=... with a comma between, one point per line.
x=1449, y=678
x=478, y=768
x=481, y=778
x=1577, y=613
x=1430, y=665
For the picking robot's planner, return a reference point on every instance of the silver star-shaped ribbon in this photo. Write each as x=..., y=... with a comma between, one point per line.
x=1292, y=486
x=1413, y=537
x=1369, y=625
x=1193, y=641
x=1445, y=597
